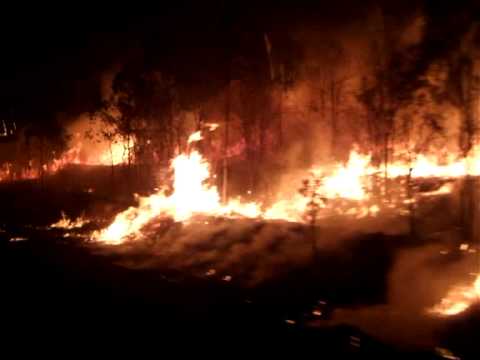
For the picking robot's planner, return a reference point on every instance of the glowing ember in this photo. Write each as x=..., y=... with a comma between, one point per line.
x=66, y=223
x=17, y=239
x=458, y=299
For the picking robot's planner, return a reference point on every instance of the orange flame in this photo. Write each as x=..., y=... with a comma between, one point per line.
x=196, y=136
x=348, y=181
x=458, y=299
x=67, y=223
x=192, y=196
x=106, y=154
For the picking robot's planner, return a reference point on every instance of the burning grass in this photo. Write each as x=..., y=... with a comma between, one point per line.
x=189, y=228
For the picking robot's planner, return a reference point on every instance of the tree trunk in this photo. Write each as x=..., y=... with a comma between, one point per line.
x=333, y=121
x=112, y=167
x=42, y=159
x=280, y=117
x=385, y=166
x=467, y=197
x=411, y=203
x=468, y=208
x=225, y=145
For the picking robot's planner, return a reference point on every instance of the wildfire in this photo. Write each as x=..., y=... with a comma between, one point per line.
x=192, y=195
x=114, y=153
x=458, y=299
x=353, y=181
x=348, y=181
x=448, y=166
x=107, y=154
x=5, y=172
x=67, y=223
x=288, y=209
x=196, y=136
x=9, y=173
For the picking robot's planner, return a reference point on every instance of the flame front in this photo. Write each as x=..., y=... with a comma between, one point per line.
x=192, y=196
x=91, y=142
x=349, y=181
x=67, y=223
x=458, y=299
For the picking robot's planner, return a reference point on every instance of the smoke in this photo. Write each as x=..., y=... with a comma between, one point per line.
x=88, y=144
x=414, y=32
x=446, y=26
x=418, y=280
x=322, y=113
x=358, y=262
x=106, y=81
x=250, y=252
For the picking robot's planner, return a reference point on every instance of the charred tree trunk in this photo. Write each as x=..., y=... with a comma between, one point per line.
x=226, y=143
x=42, y=160
x=467, y=194
x=112, y=168
x=280, y=116
x=262, y=143
x=333, y=118
x=411, y=203
x=386, y=159
x=467, y=198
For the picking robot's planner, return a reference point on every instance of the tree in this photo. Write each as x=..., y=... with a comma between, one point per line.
x=419, y=129
x=330, y=86
x=309, y=190
x=464, y=79
x=388, y=88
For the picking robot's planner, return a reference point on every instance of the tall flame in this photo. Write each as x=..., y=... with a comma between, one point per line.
x=192, y=195
x=349, y=181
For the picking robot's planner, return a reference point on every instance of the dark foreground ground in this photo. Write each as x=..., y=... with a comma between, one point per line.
x=60, y=291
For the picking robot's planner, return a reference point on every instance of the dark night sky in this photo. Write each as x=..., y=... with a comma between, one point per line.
x=52, y=56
